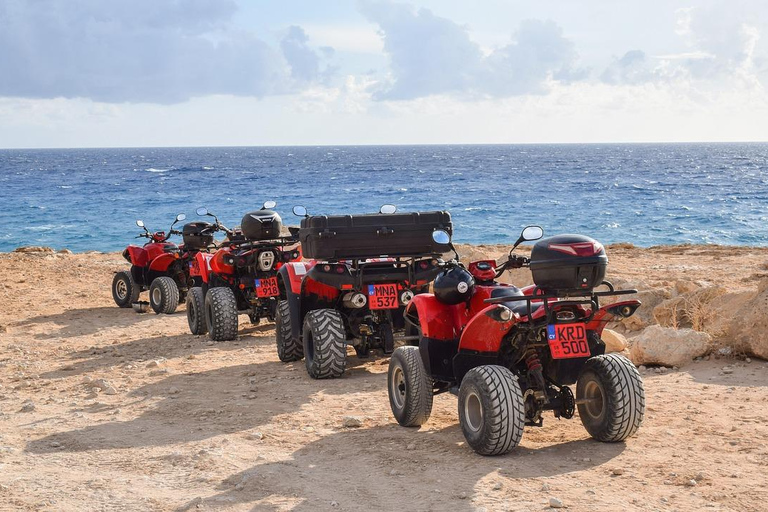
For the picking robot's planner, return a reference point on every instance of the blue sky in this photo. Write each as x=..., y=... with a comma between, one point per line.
x=89, y=73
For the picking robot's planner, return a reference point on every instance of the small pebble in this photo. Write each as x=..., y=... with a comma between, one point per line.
x=555, y=503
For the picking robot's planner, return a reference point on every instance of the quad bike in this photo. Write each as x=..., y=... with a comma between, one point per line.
x=510, y=354
x=160, y=266
x=241, y=276
x=362, y=273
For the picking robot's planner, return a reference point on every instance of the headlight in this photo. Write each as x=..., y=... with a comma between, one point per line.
x=266, y=260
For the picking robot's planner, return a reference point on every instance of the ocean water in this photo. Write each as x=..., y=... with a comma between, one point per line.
x=646, y=194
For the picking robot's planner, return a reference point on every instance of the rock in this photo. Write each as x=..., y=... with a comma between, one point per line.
x=750, y=325
x=614, y=342
x=411, y=446
x=255, y=436
x=334, y=504
x=101, y=384
x=33, y=248
x=667, y=346
x=617, y=471
x=109, y=390
x=545, y=487
x=64, y=251
x=691, y=483
x=497, y=486
x=27, y=406
x=155, y=364
x=173, y=391
x=351, y=422
x=556, y=503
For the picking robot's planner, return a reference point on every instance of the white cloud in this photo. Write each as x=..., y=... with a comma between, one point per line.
x=161, y=51
x=433, y=55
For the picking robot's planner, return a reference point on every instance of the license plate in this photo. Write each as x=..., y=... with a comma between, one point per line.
x=382, y=296
x=267, y=287
x=567, y=341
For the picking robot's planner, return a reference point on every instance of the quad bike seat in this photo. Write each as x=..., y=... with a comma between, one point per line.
x=517, y=306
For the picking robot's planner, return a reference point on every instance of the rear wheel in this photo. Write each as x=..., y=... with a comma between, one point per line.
x=325, y=344
x=164, y=295
x=289, y=348
x=196, y=311
x=610, y=397
x=125, y=291
x=221, y=314
x=491, y=410
x=410, y=388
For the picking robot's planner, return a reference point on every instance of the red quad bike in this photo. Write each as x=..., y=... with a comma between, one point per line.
x=241, y=276
x=510, y=354
x=364, y=270
x=160, y=266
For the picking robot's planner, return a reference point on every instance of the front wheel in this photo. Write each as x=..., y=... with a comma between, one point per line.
x=289, y=347
x=196, y=311
x=491, y=410
x=125, y=291
x=163, y=295
x=409, y=386
x=325, y=344
x=221, y=314
x=610, y=397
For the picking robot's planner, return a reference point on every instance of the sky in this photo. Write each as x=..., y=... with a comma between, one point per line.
x=137, y=73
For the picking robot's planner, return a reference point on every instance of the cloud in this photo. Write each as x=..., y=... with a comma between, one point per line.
x=722, y=50
x=431, y=55
x=156, y=51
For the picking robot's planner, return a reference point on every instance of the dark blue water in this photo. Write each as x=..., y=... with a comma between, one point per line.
x=647, y=194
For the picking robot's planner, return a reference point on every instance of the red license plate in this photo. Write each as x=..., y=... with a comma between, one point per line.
x=267, y=287
x=382, y=296
x=567, y=341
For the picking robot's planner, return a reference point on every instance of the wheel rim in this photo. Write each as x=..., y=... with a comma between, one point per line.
x=157, y=296
x=473, y=411
x=397, y=387
x=121, y=289
x=594, y=399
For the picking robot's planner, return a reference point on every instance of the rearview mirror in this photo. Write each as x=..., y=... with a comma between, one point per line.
x=268, y=205
x=532, y=233
x=388, y=208
x=441, y=236
x=180, y=217
x=140, y=223
x=202, y=211
x=299, y=211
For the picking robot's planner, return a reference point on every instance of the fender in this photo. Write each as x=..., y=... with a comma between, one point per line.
x=437, y=320
x=486, y=330
x=217, y=264
x=290, y=277
x=162, y=262
x=612, y=312
x=200, y=266
x=137, y=255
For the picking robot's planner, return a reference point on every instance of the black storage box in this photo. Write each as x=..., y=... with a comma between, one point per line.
x=340, y=237
x=568, y=264
x=261, y=225
x=197, y=235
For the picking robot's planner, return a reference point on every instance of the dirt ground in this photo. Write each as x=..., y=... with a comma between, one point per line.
x=183, y=423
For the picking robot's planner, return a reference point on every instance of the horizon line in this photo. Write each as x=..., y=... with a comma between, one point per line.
x=30, y=148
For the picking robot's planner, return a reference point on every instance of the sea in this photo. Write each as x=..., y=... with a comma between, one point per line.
x=645, y=194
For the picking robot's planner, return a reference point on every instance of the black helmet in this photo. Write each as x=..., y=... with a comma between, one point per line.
x=454, y=286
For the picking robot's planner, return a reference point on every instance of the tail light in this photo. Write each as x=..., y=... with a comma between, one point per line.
x=578, y=249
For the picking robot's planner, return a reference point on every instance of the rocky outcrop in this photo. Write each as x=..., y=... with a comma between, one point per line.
x=668, y=347
x=33, y=248
x=615, y=342
x=749, y=327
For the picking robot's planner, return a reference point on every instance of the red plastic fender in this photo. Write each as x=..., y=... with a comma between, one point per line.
x=162, y=262
x=438, y=321
x=200, y=265
x=604, y=316
x=296, y=272
x=217, y=262
x=138, y=255
x=484, y=332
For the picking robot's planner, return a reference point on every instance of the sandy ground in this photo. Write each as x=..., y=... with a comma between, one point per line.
x=193, y=425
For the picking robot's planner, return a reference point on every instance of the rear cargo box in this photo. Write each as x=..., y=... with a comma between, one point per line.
x=339, y=237
x=568, y=264
x=197, y=235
